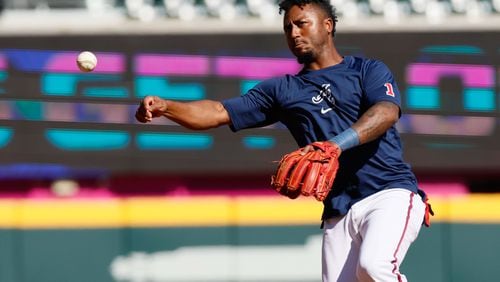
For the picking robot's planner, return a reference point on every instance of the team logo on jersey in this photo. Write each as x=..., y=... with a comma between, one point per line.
x=390, y=89
x=325, y=93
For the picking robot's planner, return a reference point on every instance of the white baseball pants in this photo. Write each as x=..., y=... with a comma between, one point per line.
x=371, y=240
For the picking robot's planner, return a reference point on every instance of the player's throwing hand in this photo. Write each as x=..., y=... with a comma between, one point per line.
x=149, y=108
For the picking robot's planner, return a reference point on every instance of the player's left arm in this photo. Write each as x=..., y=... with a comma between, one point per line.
x=376, y=121
x=382, y=94
x=373, y=123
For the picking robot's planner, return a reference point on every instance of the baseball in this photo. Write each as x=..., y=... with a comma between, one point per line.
x=86, y=61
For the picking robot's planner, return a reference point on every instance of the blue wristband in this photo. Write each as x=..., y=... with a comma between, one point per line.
x=347, y=139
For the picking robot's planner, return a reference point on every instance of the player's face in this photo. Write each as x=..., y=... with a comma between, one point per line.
x=307, y=31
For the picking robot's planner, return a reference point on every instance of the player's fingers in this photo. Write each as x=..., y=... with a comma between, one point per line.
x=149, y=102
x=157, y=107
x=141, y=116
x=152, y=103
x=306, y=149
x=149, y=108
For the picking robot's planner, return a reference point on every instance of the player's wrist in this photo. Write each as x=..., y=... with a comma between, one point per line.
x=346, y=140
x=165, y=106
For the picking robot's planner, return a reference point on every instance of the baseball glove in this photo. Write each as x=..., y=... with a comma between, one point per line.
x=307, y=174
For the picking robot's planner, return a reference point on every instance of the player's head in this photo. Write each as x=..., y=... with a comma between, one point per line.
x=325, y=5
x=308, y=25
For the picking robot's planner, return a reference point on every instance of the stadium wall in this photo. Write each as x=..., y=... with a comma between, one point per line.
x=221, y=238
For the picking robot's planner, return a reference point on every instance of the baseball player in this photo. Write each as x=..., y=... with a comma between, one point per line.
x=374, y=210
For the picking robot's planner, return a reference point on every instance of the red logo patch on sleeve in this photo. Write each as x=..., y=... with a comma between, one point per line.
x=390, y=89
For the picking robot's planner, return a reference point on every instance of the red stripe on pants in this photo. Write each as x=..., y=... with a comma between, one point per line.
x=394, y=262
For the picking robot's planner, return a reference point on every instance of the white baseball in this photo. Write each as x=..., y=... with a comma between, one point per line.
x=86, y=61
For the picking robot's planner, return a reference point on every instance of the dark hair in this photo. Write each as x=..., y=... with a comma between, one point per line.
x=324, y=5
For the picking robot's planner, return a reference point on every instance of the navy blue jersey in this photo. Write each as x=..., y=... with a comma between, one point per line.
x=317, y=105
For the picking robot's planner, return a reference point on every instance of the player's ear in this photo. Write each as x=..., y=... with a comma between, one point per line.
x=329, y=25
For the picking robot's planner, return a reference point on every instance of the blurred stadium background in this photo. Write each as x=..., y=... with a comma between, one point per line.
x=87, y=194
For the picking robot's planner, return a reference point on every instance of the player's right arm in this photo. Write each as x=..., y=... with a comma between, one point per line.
x=197, y=115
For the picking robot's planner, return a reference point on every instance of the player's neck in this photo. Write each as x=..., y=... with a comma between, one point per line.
x=325, y=60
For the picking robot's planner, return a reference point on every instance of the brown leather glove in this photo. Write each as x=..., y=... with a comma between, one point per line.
x=309, y=174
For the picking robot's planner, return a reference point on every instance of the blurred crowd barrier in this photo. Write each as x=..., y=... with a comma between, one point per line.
x=392, y=11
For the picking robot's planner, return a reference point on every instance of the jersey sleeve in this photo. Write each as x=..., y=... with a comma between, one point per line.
x=254, y=109
x=379, y=84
